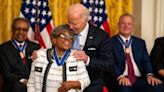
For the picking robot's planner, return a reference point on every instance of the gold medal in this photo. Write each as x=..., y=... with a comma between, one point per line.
x=127, y=50
x=22, y=55
x=58, y=69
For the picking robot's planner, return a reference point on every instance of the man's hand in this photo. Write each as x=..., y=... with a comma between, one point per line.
x=124, y=81
x=65, y=86
x=153, y=81
x=34, y=55
x=81, y=55
x=23, y=81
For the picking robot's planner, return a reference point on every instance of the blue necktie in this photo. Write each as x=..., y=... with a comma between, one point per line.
x=76, y=43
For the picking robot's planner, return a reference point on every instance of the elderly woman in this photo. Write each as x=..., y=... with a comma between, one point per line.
x=56, y=69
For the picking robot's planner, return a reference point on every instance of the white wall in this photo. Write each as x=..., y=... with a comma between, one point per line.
x=148, y=22
x=152, y=21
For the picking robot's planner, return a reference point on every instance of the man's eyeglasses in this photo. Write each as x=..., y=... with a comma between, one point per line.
x=19, y=29
x=63, y=36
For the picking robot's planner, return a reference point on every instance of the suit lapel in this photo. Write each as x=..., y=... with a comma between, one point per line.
x=15, y=52
x=120, y=48
x=28, y=51
x=90, y=37
x=135, y=49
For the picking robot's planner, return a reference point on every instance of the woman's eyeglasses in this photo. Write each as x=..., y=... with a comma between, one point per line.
x=63, y=36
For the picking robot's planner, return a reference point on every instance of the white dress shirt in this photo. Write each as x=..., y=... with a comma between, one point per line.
x=83, y=38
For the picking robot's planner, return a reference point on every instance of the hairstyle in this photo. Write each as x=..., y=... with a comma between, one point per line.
x=60, y=29
x=126, y=14
x=79, y=9
x=20, y=19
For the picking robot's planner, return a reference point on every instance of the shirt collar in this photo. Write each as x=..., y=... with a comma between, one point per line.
x=123, y=38
x=85, y=30
x=19, y=42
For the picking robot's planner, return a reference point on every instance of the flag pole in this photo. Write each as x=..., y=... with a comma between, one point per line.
x=37, y=20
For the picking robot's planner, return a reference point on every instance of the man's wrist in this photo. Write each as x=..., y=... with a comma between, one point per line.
x=119, y=77
x=149, y=74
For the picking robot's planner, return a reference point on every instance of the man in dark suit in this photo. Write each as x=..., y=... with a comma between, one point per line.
x=157, y=57
x=132, y=60
x=15, y=63
x=95, y=48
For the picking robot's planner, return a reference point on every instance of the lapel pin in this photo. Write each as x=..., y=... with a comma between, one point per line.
x=90, y=37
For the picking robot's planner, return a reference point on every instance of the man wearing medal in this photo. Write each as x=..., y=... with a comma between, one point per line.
x=132, y=60
x=15, y=62
x=56, y=69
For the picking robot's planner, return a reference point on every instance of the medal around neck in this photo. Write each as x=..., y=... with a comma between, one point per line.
x=63, y=59
x=127, y=50
x=22, y=55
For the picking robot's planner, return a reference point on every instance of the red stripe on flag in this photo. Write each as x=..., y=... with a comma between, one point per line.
x=41, y=42
x=49, y=28
x=106, y=27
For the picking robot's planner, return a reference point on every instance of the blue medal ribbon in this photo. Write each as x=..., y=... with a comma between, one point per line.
x=125, y=44
x=63, y=59
x=17, y=47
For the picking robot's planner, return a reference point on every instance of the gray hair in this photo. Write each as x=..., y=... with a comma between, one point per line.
x=126, y=14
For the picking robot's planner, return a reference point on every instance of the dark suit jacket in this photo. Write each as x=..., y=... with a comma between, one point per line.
x=140, y=55
x=12, y=68
x=157, y=54
x=98, y=48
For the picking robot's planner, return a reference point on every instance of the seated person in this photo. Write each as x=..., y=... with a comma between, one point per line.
x=157, y=57
x=132, y=61
x=56, y=69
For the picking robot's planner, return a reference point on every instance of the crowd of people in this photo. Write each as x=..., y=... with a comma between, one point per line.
x=121, y=62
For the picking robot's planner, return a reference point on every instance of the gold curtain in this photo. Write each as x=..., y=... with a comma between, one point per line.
x=59, y=10
x=115, y=8
x=10, y=9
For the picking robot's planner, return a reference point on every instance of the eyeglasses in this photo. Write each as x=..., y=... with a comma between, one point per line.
x=63, y=36
x=19, y=29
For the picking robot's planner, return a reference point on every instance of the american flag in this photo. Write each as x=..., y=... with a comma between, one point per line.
x=39, y=15
x=98, y=13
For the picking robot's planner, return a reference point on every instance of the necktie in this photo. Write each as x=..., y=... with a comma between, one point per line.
x=131, y=74
x=76, y=43
x=20, y=45
x=22, y=55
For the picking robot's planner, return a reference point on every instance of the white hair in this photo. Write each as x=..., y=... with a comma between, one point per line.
x=80, y=10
